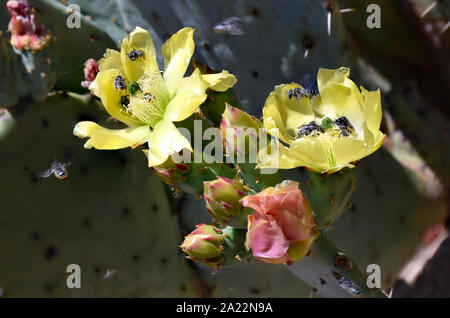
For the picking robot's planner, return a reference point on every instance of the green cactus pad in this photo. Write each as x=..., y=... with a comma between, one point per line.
x=110, y=216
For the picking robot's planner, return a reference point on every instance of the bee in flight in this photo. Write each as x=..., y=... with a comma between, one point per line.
x=57, y=169
x=230, y=26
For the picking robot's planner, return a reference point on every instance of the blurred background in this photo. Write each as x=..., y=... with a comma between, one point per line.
x=121, y=224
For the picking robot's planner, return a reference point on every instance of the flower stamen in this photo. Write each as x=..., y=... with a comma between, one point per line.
x=148, y=104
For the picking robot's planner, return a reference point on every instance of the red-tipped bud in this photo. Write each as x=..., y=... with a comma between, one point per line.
x=27, y=33
x=170, y=172
x=222, y=197
x=239, y=132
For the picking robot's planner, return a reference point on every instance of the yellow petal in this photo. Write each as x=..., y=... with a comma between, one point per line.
x=139, y=40
x=372, y=109
x=103, y=87
x=111, y=60
x=312, y=151
x=177, y=52
x=278, y=156
x=339, y=96
x=373, y=140
x=347, y=150
x=109, y=139
x=220, y=82
x=190, y=94
x=165, y=141
x=286, y=114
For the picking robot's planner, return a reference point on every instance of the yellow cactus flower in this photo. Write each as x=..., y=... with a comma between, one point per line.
x=135, y=92
x=324, y=132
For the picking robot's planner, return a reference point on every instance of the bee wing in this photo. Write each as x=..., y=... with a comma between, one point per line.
x=46, y=173
x=66, y=164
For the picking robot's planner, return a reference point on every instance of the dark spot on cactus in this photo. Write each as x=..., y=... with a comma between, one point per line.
x=48, y=288
x=50, y=253
x=26, y=168
x=342, y=261
x=253, y=11
x=207, y=46
x=154, y=207
x=254, y=290
x=322, y=281
x=254, y=73
x=35, y=236
x=85, y=117
x=93, y=39
x=126, y=211
x=84, y=169
x=330, y=6
x=33, y=178
x=45, y=123
x=402, y=219
x=183, y=287
x=135, y=257
x=155, y=16
x=163, y=261
x=122, y=159
x=308, y=42
x=86, y=223
x=353, y=208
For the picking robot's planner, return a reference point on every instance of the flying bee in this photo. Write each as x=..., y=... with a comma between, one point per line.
x=344, y=126
x=309, y=129
x=124, y=100
x=135, y=54
x=230, y=26
x=299, y=93
x=57, y=169
x=119, y=83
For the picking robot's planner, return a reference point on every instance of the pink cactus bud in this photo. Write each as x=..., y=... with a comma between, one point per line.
x=239, y=132
x=90, y=72
x=222, y=197
x=282, y=228
x=27, y=33
x=171, y=173
x=205, y=245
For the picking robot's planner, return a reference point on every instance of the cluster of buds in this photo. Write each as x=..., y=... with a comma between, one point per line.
x=223, y=197
x=170, y=172
x=27, y=33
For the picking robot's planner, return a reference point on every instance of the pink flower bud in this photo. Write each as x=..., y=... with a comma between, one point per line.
x=170, y=172
x=90, y=72
x=27, y=33
x=205, y=245
x=239, y=132
x=282, y=228
x=222, y=197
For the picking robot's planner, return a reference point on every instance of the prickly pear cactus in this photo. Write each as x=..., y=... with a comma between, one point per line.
x=110, y=215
